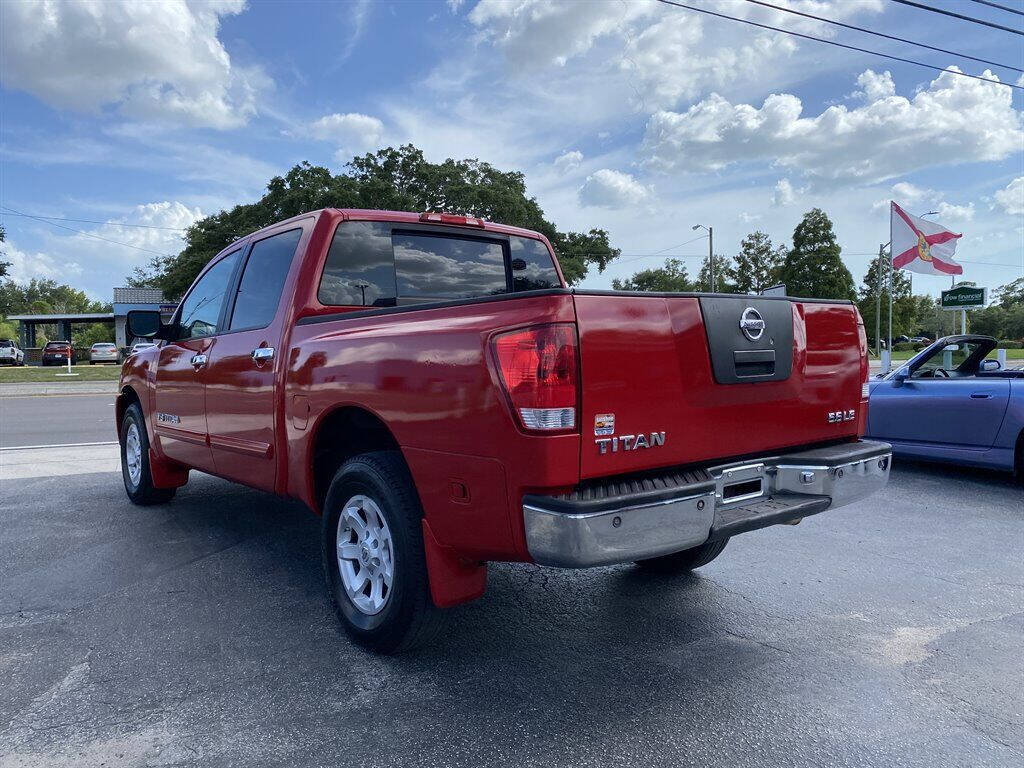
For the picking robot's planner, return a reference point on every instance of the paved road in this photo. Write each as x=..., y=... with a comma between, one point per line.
x=198, y=634
x=56, y=420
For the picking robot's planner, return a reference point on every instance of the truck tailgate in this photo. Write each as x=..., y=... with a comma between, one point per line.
x=683, y=366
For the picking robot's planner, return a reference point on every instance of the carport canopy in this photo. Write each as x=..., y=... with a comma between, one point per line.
x=27, y=324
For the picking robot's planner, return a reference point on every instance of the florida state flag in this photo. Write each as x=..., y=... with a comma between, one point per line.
x=922, y=246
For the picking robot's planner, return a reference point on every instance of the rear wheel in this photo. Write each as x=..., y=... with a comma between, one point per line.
x=373, y=555
x=687, y=560
x=135, y=469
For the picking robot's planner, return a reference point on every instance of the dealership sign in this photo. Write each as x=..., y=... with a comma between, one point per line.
x=964, y=297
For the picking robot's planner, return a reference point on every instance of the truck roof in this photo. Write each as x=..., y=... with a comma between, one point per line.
x=371, y=214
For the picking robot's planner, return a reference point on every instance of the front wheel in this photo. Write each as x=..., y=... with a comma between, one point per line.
x=687, y=560
x=135, y=469
x=373, y=555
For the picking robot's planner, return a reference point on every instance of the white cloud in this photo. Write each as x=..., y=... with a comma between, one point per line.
x=783, y=194
x=568, y=160
x=1012, y=197
x=353, y=133
x=874, y=86
x=538, y=32
x=906, y=192
x=357, y=13
x=612, y=189
x=153, y=61
x=455, y=5
x=951, y=212
x=42, y=266
x=672, y=60
x=954, y=120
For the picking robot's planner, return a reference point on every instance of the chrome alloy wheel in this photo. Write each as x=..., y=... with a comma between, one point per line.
x=133, y=454
x=366, y=558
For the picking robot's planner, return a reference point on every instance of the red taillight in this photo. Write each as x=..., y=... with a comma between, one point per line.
x=451, y=218
x=539, y=370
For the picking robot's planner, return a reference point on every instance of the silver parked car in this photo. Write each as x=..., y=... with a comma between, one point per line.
x=138, y=346
x=103, y=352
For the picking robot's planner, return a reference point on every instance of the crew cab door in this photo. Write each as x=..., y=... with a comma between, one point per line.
x=179, y=403
x=243, y=384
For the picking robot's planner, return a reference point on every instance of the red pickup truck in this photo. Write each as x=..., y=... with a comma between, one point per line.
x=430, y=386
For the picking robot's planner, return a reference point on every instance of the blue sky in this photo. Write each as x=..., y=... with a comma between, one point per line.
x=636, y=117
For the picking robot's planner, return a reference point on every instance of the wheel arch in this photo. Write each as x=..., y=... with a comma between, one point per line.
x=341, y=433
x=125, y=398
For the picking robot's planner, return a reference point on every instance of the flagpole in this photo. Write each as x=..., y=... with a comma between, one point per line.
x=890, y=287
x=878, y=300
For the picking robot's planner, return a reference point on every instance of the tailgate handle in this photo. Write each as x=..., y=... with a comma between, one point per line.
x=754, y=362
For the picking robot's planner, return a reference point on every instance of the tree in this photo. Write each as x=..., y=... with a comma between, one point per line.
x=758, y=264
x=813, y=267
x=1011, y=293
x=723, y=273
x=667, y=279
x=904, y=308
x=391, y=179
x=87, y=335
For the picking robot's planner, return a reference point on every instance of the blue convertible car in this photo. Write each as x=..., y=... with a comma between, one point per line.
x=950, y=403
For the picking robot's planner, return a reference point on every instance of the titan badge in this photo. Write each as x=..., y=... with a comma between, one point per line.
x=629, y=442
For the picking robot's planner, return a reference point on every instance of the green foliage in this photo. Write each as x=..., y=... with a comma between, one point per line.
x=1009, y=344
x=758, y=264
x=904, y=308
x=390, y=179
x=8, y=330
x=723, y=274
x=813, y=267
x=87, y=335
x=667, y=279
x=1003, y=320
x=43, y=296
x=1011, y=294
x=906, y=346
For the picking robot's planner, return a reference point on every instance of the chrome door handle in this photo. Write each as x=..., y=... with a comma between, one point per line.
x=263, y=354
x=198, y=361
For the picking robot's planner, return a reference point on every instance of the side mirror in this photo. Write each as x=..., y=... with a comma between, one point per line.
x=901, y=376
x=146, y=324
x=990, y=365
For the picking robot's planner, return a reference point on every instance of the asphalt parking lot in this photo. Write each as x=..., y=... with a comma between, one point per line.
x=198, y=633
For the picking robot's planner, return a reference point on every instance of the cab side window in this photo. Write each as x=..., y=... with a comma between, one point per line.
x=200, y=311
x=259, y=290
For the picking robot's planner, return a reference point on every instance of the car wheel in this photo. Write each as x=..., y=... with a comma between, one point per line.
x=373, y=555
x=135, y=470
x=687, y=560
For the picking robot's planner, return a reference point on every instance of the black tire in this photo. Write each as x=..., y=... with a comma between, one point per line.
x=408, y=618
x=687, y=560
x=143, y=494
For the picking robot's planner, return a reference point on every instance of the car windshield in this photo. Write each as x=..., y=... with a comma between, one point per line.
x=6, y=343
x=948, y=358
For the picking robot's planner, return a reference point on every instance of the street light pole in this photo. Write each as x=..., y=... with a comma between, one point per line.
x=711, y=254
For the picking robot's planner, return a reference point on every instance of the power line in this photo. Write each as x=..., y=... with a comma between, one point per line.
x=955, y=15
x=881, y=34
x=837, y=44
x=94, y=221
x=1006, y=8
x=87, y=234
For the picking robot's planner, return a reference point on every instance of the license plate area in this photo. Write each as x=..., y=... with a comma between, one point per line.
x=739, y=484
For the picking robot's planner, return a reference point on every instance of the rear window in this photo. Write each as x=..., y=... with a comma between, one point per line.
x=6, y=343
x=430, y=267
x=56, y=345
x=371, y=265
x=102, y=346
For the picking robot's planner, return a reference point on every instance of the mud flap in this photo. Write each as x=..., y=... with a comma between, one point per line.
x=166, y=474
x=453, y=580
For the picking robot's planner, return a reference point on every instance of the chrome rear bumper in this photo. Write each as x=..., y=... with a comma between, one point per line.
x=587, y=529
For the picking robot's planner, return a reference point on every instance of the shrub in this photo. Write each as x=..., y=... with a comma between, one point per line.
x=905, y=346
x=1009, y=344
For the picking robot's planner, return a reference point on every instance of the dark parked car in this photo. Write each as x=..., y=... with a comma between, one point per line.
x=58, y=352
